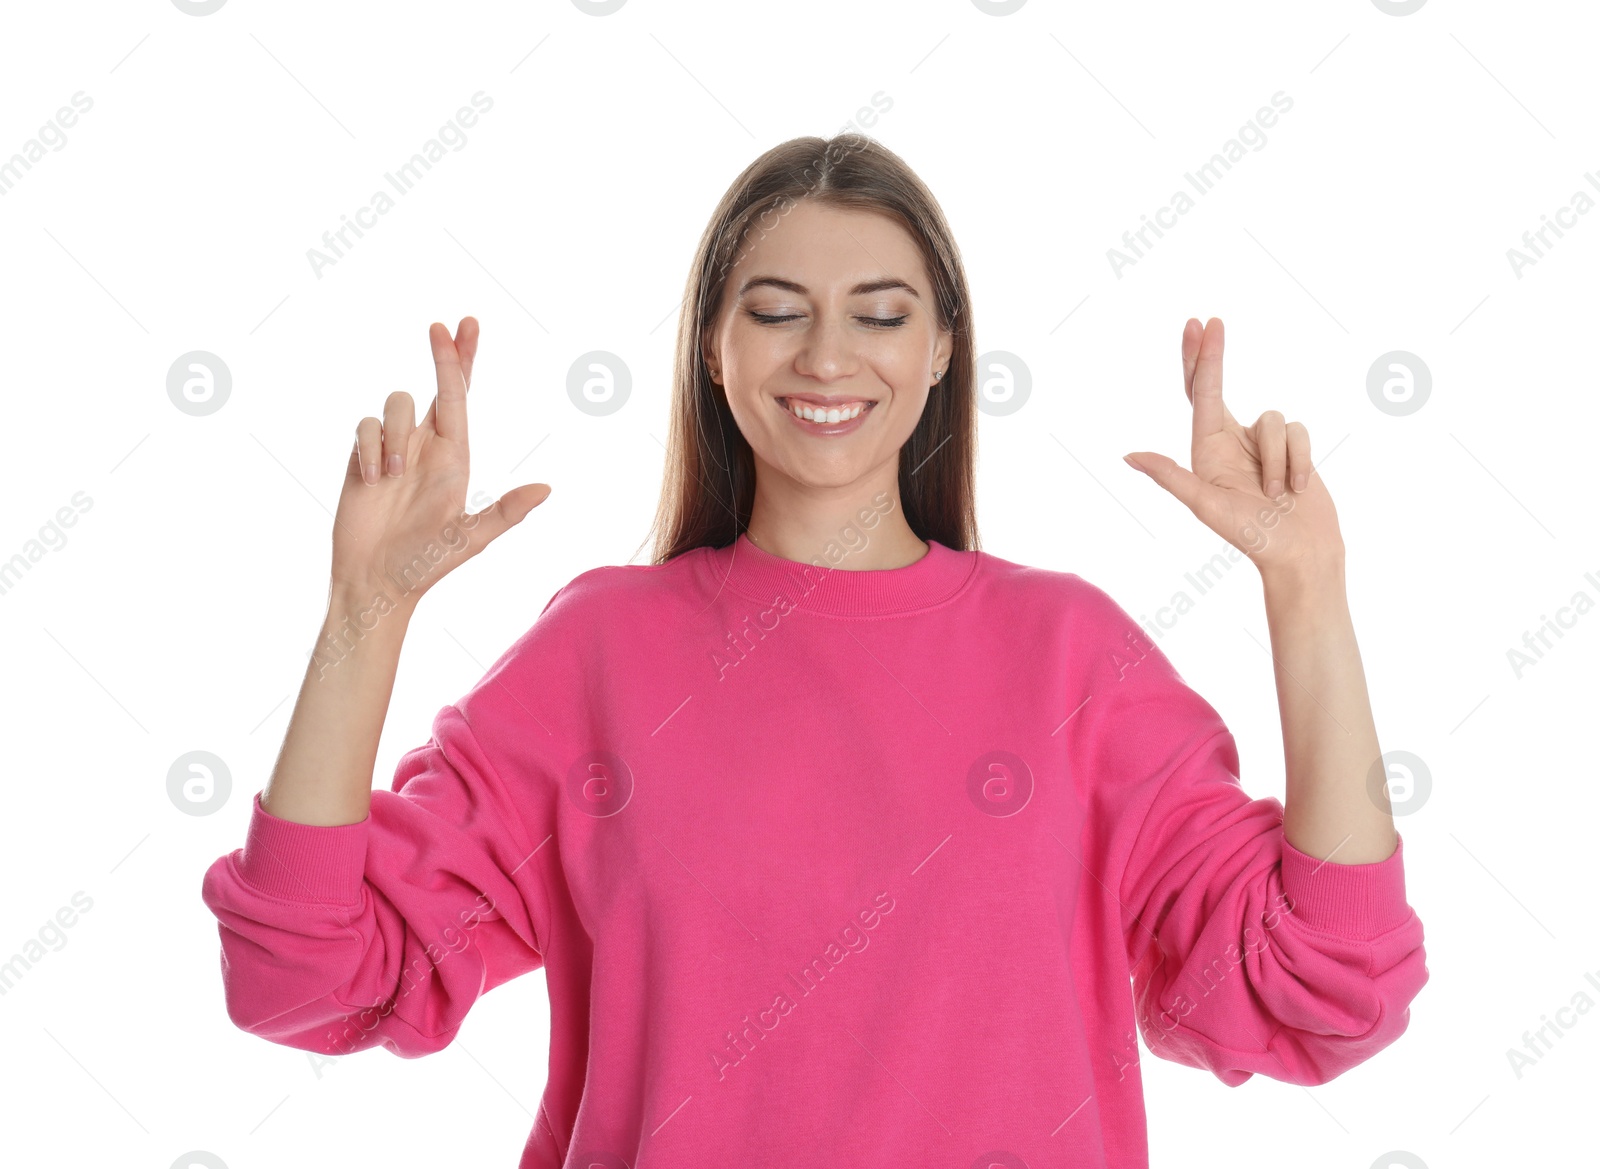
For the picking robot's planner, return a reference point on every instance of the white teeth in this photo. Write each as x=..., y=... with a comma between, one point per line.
x=813, y=414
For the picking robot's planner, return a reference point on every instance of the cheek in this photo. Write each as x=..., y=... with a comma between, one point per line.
x=901, y=365
x=749, y=403
x=752, y=358
x=908, y=407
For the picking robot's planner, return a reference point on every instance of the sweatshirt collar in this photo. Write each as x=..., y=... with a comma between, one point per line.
x=835, y=588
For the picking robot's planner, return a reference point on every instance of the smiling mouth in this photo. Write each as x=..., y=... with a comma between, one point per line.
x=829, y=415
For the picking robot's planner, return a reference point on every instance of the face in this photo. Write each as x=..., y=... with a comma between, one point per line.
x=826, y=342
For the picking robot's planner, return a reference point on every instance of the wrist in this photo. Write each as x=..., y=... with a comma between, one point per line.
x=1320, y=575
x=366, y=603
x=360, y=622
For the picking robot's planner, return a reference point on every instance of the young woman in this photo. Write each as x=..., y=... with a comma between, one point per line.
x=839, y=840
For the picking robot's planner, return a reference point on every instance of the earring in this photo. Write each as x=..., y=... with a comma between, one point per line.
x=938, y=374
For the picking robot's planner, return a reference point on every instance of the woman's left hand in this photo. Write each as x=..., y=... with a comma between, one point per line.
x=1253, y=486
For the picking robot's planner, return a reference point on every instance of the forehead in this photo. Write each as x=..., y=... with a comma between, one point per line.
x=828, y=249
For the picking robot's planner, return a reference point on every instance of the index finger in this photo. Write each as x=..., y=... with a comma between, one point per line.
x=450, y=404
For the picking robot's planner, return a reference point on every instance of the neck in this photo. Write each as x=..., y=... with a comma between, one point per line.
x=864, y=522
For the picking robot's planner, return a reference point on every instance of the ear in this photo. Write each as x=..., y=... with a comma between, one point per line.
x=943, y=347
x=708, y=355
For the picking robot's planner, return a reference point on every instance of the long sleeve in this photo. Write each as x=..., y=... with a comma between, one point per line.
x=1245, y=954
x=335, y=939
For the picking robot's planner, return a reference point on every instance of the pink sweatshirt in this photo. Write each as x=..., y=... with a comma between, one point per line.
x=827, y=866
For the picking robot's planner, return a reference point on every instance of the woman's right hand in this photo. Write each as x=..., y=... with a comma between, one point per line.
x=401, y=527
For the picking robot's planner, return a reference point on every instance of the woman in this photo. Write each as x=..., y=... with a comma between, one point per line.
x=839, y=841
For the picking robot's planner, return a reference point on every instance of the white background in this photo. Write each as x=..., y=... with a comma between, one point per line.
x=178, y=612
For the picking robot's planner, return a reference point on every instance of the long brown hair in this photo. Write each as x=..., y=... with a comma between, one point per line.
x=708, y=486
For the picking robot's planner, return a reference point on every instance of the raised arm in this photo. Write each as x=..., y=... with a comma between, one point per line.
x=352, y=917
x=401, y=526
x=1257, y=488
x=1262, y=937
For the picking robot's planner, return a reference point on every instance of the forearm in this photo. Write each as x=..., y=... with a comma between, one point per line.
x=1330, y=742
x=324, y=770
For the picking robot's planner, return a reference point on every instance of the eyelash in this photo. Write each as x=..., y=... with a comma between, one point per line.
x=875, y=322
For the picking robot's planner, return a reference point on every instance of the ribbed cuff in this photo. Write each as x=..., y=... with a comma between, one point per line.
x=304, y=862
x=1360, y=901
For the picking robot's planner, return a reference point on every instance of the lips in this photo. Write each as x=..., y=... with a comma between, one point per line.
x=826, y=416
x=825, y=411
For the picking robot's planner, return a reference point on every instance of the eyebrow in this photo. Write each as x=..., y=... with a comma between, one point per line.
x=882, y=284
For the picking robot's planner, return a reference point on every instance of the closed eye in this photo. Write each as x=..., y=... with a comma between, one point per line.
x=876, y=322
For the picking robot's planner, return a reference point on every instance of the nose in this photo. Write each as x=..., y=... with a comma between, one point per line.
x=828, y=351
